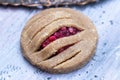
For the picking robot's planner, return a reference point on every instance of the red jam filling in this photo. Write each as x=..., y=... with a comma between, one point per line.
x=62, y=32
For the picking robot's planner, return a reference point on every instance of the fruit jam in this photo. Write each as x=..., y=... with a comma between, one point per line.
x=62, y=32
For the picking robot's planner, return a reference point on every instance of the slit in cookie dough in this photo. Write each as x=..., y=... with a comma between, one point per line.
x=79, y=59
x=60, y=51
x=68, y=58
x=66, y=54
x=62, y=32
x=43, y=22
x=53, y=47
x=49, y=30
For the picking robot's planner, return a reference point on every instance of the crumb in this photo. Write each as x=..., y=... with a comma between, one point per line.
x=103, y=53
x=111, y=22
x=91, y=64
x=105, y=44
x=86, y=71
x=100, y=16
x=102, y=22
x=48, y=78
x=95, y=76
x=9, y=76
x=103, y=11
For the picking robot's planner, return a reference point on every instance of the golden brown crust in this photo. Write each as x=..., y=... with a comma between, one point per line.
x=42, y=25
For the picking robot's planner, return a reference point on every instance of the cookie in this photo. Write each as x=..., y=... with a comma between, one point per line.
x=59, y=40
x=38, y=3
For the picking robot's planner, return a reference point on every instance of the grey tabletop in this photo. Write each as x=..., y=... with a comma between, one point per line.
x=103, y=66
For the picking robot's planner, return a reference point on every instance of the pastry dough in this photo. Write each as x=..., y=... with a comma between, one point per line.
x=81, y=45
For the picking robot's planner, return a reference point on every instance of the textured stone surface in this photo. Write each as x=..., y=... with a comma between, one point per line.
x=105, y=65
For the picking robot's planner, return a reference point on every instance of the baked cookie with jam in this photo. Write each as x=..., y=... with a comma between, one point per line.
x=59, y=40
